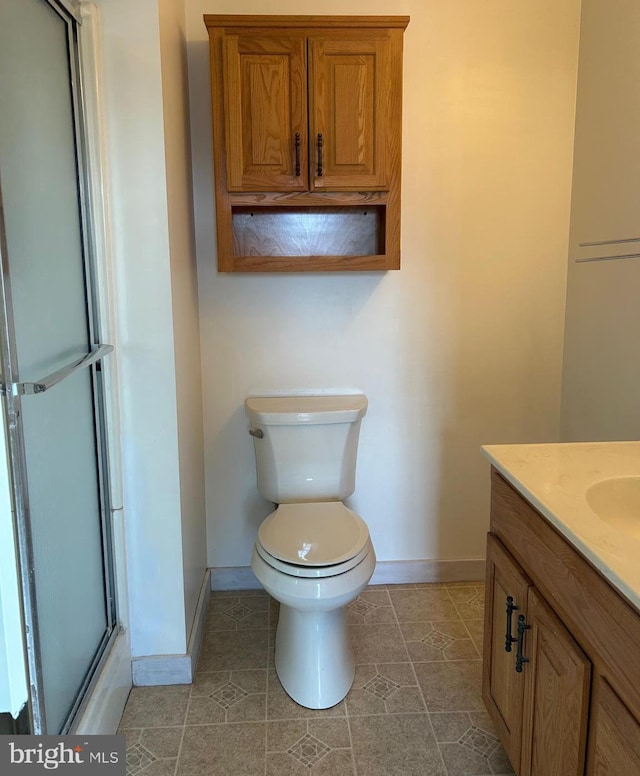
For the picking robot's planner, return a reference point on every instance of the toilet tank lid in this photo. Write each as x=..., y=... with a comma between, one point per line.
x=293, y=410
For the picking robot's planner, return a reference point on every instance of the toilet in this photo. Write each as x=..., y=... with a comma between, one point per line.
x=312, y=553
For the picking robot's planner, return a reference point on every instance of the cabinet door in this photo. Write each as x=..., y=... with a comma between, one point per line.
x=265, y=94
x=502, y=686
x=350, y=83
x=614, y=735
x=556, y=696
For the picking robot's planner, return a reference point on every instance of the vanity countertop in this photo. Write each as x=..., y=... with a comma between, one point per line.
x=554, y=478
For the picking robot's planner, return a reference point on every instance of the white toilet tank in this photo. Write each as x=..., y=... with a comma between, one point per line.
x=306, y=446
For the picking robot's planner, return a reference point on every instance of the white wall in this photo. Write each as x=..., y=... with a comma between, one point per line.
x=463, y=346
x=161, y=502
x=602, y=348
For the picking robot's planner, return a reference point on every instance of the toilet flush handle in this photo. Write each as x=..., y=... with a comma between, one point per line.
x=256, y=432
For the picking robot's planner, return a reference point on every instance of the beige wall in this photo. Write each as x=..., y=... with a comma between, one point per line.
x=184, y=294
x=463, y=346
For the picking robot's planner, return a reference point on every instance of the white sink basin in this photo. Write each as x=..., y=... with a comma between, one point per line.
x=617, y=502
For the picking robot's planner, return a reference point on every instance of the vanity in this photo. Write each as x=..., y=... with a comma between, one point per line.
x=561, y=665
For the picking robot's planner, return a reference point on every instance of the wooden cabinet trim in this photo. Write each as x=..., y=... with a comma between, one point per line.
x=307, y=263
x=319, y=199
x=605, y=625
x=260, y=21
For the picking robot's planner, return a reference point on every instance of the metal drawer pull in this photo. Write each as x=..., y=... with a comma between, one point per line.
x=509, y=639
x=256, y=432
x=40, y=386
x=522, y=627
x=297, y=154
x=320, y=171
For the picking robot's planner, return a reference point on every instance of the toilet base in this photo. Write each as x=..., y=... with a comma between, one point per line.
x=314, y=658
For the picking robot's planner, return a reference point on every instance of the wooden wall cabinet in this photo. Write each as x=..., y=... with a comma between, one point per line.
x=573, y=708
x=306, y=141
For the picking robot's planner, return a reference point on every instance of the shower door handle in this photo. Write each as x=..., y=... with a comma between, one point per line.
x=96, y=353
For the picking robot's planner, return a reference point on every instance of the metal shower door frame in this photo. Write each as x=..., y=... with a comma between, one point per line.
x=13, y=390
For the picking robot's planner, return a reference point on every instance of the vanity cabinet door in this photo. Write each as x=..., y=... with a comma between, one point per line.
x=614, y=735
x=502, y=685
x=556, y=696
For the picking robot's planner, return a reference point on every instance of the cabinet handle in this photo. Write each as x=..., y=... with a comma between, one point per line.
x=520, y=658
x=320, y=142
x=297, y=136
x=508, y=638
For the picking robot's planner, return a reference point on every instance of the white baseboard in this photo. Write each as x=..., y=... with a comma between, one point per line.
x=234, y=578
x=392, y=572
x=152, y=670
x=404, y=572
x=103, y=709
x=197, y=627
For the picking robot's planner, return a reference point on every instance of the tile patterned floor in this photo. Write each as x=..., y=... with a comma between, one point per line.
x=414, y=708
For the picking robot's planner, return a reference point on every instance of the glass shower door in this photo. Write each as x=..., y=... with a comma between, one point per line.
x=52, y=361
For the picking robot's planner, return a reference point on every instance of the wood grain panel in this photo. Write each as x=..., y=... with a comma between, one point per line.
x=308, y=231
x=349, y=106
x=556, y=696
x=615, y=735
x=604, y=624
x=265, y=91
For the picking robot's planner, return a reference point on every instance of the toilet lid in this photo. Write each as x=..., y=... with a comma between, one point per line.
x=316, y=534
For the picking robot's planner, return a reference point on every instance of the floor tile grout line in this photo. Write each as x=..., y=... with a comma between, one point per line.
x=445, y=770
x=184, y=728
x=334, y=717
x=475, y=646
x=353, y=754
x=266, y=728
x=266, y=688
x=404, y=643
x=453, y=602
x=464, y=620
x=471, y=585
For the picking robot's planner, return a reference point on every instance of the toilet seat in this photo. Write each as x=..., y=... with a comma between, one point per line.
x=317, y=539
x=313, y=572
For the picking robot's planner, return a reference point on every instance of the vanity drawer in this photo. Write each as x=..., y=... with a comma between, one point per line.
x=605, y=625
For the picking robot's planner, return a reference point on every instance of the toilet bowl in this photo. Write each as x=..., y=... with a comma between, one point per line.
x=314, y=658
x=312, y=554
